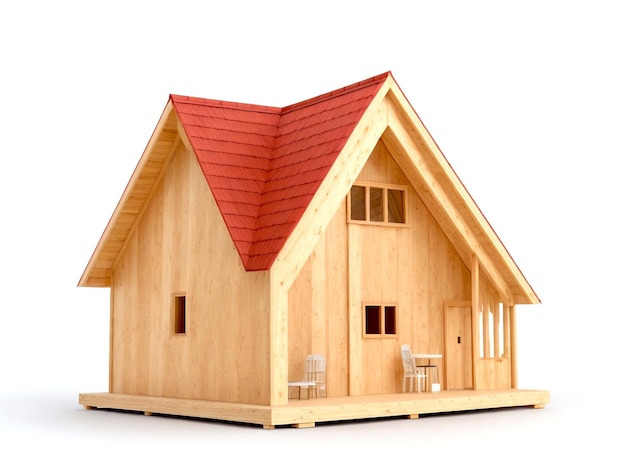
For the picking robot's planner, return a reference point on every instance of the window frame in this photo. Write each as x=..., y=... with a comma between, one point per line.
x=177, y=313
x=494, y=334
x=382, y=320
x=385, y=187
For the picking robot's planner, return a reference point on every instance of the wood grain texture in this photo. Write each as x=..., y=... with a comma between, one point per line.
x=305, y=413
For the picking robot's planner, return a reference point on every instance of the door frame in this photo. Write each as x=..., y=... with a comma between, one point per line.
x=448, y=356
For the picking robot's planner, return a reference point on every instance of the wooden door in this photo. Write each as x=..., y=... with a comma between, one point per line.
x=458, y=347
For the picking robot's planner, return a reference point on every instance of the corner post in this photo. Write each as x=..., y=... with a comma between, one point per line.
x=513, y=333
x=475, y=279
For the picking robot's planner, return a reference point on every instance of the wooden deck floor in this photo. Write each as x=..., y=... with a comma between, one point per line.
x=305, y=413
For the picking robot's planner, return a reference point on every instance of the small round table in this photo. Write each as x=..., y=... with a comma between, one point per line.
x=434, y=378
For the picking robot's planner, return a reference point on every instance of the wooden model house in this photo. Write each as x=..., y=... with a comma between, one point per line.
x=250, y=236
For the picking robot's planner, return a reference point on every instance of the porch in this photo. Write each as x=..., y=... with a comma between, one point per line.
x=306, y=413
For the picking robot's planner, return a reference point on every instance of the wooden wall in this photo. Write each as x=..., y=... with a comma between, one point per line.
x=318, y=299
x=180, y=246
x=414, y=267
x=493, y=366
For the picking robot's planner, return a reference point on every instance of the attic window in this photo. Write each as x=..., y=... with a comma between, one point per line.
x=179, y=314
x=377, y=203
x=379, y=321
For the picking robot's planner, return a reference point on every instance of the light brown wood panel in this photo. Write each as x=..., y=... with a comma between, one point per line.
x=414, y=267
x=299, y=324
x=502, y=373
x=494, y=368
x=305, y=413
x=355, y=325
x=457, y=371
x=176, y=246
x=318, y=308
x=336, y=305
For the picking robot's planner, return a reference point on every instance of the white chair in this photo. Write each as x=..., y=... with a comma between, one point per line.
x=315, y=371
x=314, y=377
x=411, y=373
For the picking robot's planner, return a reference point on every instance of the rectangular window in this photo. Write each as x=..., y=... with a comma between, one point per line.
x=372, y=320
x=357, y=200
x=377, y=203
x=377, y=212
x=390, y=319
x=493, y=331
x=179, y=315
x=395, y=204
x=379, y=321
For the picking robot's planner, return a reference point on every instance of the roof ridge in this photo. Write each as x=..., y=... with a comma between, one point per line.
x=276, y=109
x=224, y=104
x=339, y=91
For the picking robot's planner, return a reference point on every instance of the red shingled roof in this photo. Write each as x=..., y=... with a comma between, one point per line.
x=264, y=164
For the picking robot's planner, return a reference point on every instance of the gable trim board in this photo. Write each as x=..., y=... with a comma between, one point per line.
x=275, y=216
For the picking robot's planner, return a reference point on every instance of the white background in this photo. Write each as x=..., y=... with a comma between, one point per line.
x=526, y=100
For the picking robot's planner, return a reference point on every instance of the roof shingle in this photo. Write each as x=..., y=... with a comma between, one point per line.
x=264, y=164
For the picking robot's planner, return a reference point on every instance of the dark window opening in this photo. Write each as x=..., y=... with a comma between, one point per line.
x=357, y=203
x=395, y=206
x=380, y=320
x=372, y=320
x=390, y=320
x=180, y=315
x=377, y=205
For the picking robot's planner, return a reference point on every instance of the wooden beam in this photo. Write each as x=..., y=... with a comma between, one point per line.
x=154, y=184
x=475, y=289
x=333, y=190
x=279, y=342
x=111, y=339
x=303, y=425
x=183, y=135
x=513, y=326
x=305, y=413
x=141, y=180
x=433, y=193
x=355, y=328
x=445, y=169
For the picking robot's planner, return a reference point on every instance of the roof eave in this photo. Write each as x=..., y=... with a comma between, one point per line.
x=441, y=170
x=98, y=271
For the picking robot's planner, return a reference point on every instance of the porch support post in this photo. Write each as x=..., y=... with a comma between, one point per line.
x=111, y=331
x=278, y=340
x=513, y=332
x=475, y=278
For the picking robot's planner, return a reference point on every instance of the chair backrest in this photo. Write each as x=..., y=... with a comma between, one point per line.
x=407, y=360
x=315, y=369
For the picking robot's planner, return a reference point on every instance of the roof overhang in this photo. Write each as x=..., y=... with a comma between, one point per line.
x=392, y=120
x=138, y=191
x=389, y=118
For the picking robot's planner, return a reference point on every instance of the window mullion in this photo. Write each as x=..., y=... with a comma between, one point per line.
x=385, y=206
x=367, y=203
